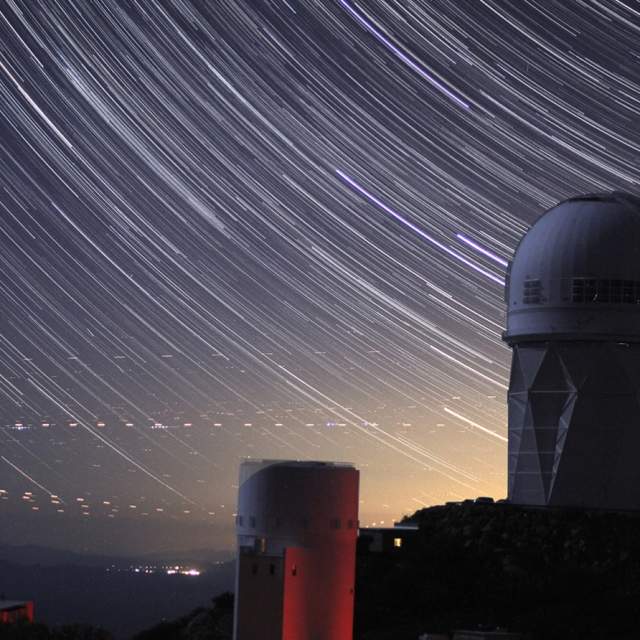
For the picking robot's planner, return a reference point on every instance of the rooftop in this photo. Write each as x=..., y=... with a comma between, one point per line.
x=7, y=605
x=264, y=462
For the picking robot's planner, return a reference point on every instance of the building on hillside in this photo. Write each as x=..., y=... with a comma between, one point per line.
x=386, y=539
x=297, y=525
x=16, y=611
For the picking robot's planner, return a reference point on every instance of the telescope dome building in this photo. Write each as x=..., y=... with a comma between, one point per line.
x=297, y=525
x=573, y=323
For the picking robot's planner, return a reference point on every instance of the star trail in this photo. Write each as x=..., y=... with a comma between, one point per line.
x=277, y=229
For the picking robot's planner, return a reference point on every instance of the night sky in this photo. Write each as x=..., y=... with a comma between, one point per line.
x=277, y=229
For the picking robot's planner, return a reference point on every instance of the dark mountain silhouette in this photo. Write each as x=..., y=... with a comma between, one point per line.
x=122, y=602
x=49, y=556
x=550, y=573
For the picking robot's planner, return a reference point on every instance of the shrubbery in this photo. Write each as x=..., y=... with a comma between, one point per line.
x=552, y=573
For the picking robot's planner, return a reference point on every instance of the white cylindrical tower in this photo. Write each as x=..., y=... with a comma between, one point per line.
x=297, y=526
x=573, y=322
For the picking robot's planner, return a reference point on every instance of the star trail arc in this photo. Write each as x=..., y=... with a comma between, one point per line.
x=279, y=229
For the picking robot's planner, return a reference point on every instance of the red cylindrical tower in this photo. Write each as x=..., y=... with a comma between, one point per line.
x=297, y=525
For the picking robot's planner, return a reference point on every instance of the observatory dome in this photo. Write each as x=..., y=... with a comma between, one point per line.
x=575, y=274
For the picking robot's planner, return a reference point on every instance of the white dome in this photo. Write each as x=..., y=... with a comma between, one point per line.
x=575, y=274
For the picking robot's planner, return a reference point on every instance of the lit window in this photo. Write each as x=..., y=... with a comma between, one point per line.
x=397, y=542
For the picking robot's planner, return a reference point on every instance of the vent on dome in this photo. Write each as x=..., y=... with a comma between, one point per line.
x=605, y=291
x=532, y=292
